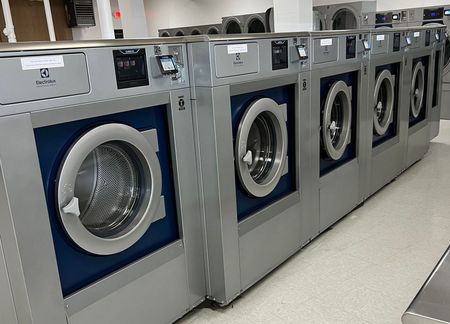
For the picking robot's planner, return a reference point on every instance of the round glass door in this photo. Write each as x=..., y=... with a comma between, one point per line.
x=108, y=189
x=383, y=102
x=336, y=120
x=447, y=54
x=344, y=19
x=261, y=147
x=233, y=27
x=417, y=89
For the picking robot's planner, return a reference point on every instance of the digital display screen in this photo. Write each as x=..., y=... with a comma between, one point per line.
x=395, y=17
x=447, y=12
x=366, y=44
x=408, y=40
x=131, y=68
x=437, y=36
x=279, y=55
x=383, y=18
x=167, y=64
x=302, y=52
x=351, y=47
x=433, y=13
x=396, y=45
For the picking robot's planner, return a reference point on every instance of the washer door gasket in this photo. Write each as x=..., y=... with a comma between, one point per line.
x=108, y=189
x=417, y=89
x=261, y=147
x=337, y=120
x=384, y=98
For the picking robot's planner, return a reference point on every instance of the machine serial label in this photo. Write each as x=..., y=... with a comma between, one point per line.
x=380, y=37
x=237, y=48
x=326, y=42
x=41, y=62
x=416, y=34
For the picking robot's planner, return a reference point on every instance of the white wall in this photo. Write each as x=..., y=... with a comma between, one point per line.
x=179, y=13
x=86, y=33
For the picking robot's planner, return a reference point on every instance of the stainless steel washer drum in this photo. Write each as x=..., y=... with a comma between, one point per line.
x=417, y=89
x=337, y=120
x=384, y=97
x=261, y=147
x=108, y=189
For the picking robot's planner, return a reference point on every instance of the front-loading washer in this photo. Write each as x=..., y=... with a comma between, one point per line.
x=348, y=15
x=417, y=108
x=99, y=165
x=387, y=92
x=250, y=151
x=338, y=97
x=431, y=16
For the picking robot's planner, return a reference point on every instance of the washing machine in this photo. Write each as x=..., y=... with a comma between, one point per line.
x=247, y=24
x=339, y=83
x=417, y=108
x=387, y=93
x=349, y=15
x=101, y=215
x=437, y=15
x=437, y=40
x=250, y=146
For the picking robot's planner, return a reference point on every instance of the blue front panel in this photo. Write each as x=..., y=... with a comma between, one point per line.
x=351, y=79
x=77, y=268
x=246, y=204
x=423, y=112
x=392, y=130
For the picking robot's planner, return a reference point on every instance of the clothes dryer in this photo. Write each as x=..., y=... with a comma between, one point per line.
x=387, y=93
x=349, y=15
x=247, y=24
x=252, y=161
x=98, y=137
x=339, y=83
x=417, y=108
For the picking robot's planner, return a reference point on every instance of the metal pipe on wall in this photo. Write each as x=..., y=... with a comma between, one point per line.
x=105, y=17
x=9, y=26
x=48, y=16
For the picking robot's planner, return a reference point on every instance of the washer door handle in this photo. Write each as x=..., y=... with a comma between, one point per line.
x=248, y=158
x=72, y=207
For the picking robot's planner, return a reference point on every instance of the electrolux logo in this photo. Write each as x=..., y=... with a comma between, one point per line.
x=237, y=59
x=45, y=78
x=45, y=73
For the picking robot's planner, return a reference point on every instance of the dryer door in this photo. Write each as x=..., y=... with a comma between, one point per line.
x=417, y=89
x=344, y=19
x=108, y=189
x=383, y=103
x=337, y=120
x=261, y=147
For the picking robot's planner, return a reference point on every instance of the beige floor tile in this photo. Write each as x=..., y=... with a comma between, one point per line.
x=368, y=267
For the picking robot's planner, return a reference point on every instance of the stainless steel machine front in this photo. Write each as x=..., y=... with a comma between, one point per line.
x=100, y=209
x=348, y=15
x=339, y=82
x=417, y=109
x=252, y=131
x=385, y=147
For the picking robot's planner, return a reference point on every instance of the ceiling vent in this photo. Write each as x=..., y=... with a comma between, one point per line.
x=80, y=13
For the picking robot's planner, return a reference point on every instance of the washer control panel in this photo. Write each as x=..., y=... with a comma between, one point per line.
x=131, y=68
x=280, y=55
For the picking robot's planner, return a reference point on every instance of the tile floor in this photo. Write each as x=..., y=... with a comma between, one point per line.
x=369, y=266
